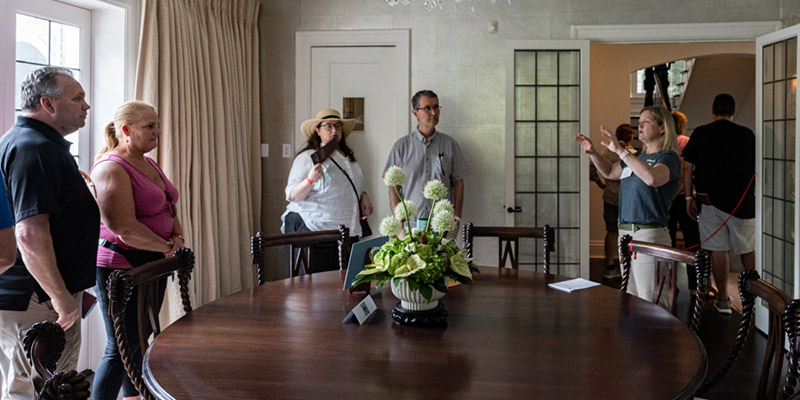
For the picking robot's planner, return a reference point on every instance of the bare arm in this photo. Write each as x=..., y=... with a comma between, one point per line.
x=688, y=186
x=8, y=248
x=175, y=241
x=366, y=205
x=118, y=210
x=393, y=198
x=458, y=197
x=36, y=246
x=605, y=168
x=303, y=188
x=654, y=176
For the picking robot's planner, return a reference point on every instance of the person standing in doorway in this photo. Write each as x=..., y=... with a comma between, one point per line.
x=720, y=167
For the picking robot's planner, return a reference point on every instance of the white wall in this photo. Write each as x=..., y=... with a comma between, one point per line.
x=453, y=54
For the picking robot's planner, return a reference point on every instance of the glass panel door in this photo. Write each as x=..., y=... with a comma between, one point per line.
x=547, y=86
x=776, y=168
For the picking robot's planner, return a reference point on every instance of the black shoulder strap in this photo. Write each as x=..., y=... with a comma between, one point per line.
x=358, y=198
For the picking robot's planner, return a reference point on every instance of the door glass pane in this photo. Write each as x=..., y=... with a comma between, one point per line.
x=525, y=139
x=569, y=103
x=569, y=68
x=524, y=68
x=525, y=175
x=780, y=61
x=547, y=101
x=547, y=139
x=768, y=61
x=566, y=138
x=525, y=103
x=546, y=175
x=547, y=68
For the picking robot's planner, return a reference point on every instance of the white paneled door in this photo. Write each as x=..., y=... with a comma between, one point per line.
x=364, y=75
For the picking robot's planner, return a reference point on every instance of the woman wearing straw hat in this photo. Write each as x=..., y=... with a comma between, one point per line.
x=323, y=196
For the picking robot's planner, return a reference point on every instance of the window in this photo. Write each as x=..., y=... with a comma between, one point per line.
x=677, y=74
x=42, y=42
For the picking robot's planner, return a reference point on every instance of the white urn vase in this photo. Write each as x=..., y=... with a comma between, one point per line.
x=414, y=301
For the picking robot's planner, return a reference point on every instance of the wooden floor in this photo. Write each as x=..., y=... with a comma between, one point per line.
x=717, y=334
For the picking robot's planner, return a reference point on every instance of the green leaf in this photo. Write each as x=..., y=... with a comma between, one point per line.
x=425, y=291
x=440, y=285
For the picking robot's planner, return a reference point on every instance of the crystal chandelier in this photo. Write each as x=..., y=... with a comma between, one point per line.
x=430, y=5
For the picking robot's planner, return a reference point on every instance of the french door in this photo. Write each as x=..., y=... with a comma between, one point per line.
x=777, y=216
x=547, y=92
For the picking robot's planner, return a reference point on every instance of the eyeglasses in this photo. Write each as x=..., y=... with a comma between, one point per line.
x=330, y=127
x=173, y=211
x=429, y=109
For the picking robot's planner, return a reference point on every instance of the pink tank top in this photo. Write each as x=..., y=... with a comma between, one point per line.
x=152, y=210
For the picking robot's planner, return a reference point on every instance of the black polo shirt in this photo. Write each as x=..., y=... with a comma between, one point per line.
x=41, y=177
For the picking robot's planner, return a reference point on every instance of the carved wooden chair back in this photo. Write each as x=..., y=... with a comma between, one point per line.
x=300, y=241
x=44, y=342
x=508, y=241
x=784, y=322
x=148, y=279
x=665, y=282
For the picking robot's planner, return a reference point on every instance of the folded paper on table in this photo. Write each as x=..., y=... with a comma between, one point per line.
x=573, y=284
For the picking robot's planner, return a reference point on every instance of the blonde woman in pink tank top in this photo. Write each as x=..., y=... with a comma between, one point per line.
x=139, y=224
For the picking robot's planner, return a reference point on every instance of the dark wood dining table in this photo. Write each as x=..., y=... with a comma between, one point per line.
x=508, y=336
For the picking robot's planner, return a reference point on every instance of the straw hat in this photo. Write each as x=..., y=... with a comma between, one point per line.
x=327, y=114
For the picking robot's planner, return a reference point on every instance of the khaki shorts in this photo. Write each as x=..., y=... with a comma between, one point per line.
x=738, y=235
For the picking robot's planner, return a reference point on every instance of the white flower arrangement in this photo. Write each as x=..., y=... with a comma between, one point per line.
x=423, y=257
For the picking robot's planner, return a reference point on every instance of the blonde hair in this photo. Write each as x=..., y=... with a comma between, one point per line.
x=126, y=114
x=669, y=140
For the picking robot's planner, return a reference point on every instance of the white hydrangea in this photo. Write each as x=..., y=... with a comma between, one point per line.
x=394, y=176
x=443, y=205
x=443, y=222
x=434, y=190
x=400, y=211
x=390, y=226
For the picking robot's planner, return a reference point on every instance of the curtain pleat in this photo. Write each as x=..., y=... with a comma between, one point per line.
x=198, y=64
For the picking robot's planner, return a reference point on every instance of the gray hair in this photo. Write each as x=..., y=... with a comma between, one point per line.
x=41, y=82
x=421, y=93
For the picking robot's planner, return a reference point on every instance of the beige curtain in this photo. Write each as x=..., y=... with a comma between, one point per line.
x=198, y=65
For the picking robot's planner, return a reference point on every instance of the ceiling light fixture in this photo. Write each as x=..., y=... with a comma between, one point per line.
x=430, y=5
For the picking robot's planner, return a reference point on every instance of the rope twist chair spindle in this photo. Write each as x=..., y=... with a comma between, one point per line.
x=667, y=260
x=508, y=242
x=120, y=288
x=44, y=343
x=784, y=318
x=299, y=249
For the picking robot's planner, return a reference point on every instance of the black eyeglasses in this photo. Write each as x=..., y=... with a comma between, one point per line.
x=428, y=109
x=173, y=211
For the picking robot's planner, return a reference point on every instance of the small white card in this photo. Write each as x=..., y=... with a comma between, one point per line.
x=626, y=172
x=363, y=310
x=573, y=284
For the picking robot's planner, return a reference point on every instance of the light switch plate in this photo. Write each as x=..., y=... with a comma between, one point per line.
x=287, y=150
x=264, y=150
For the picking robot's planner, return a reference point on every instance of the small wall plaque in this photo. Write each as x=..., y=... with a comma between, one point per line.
x=353, y=108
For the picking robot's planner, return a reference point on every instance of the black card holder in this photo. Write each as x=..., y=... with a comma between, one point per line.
x=319, y=156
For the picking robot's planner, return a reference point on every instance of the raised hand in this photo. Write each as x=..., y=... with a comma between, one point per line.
x=586, y=143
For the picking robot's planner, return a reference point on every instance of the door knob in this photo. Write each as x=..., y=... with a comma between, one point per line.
x=516, y=209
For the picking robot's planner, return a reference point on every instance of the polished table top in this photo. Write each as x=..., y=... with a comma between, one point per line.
x=508, y=335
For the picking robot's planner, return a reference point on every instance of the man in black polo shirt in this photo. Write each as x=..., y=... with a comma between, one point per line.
x=720, y=162
x=58, y=223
